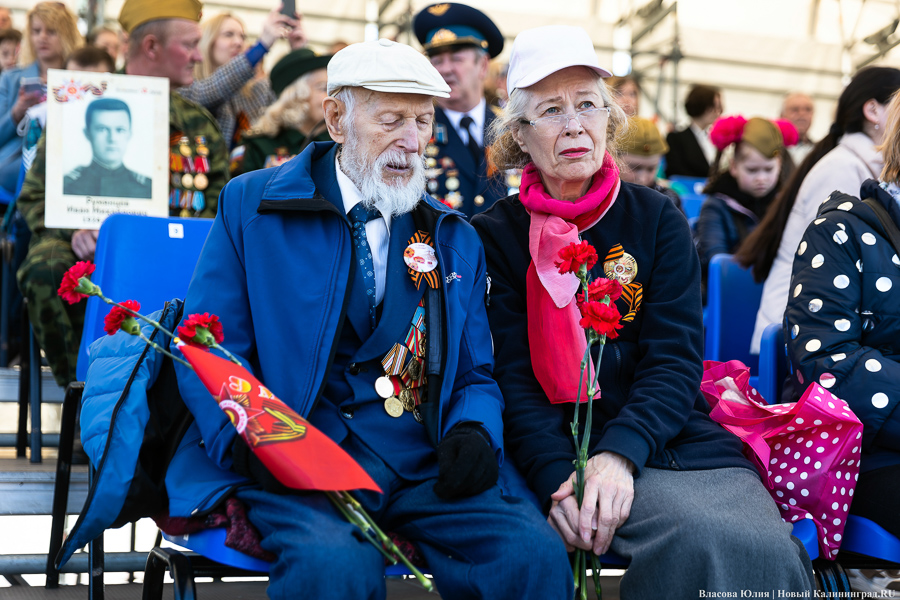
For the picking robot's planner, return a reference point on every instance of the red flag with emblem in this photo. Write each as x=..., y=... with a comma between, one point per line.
x=298, y=454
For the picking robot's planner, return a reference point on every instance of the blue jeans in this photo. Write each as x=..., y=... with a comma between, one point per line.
x=487, y=546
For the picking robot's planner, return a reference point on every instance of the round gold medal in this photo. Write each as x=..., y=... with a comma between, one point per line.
x=452, y=184
x=624, y=269
x=393, y=407
x=200, y=181
x=406, y=399
x=414, y=368
x=202, y=150
x=185, y=213
x=479, y=200
x=187, y=180
x=184, y=149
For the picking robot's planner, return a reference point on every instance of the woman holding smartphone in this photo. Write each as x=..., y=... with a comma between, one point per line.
x=51, y=35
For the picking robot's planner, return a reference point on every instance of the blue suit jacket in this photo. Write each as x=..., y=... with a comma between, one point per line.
x=277, y=271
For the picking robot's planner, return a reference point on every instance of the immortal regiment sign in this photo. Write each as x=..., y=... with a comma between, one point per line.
x=107, y=147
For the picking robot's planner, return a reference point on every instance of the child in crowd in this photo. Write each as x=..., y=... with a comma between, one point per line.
x=641, y=151
x=10, y=40
x=740, y=194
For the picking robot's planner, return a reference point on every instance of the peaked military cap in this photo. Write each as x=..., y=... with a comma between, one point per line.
x=138, y=12
x=448, y=24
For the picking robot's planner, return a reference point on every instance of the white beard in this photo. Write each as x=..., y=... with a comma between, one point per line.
x=393, y=197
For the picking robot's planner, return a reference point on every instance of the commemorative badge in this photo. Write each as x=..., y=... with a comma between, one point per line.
x=623, y=267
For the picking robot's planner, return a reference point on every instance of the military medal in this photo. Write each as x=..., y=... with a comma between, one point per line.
x=393, y=407
x=454, y=199
x=200, y=181
x=431, y=151
x=406, y=400
x=187, y=180
x=623, y=267
x=479, y=200
x=430, y=163
x=384, y=387
x=432, y=185
x=202, y=150
x=184, y=146
x=420, y=257
x=452, y=184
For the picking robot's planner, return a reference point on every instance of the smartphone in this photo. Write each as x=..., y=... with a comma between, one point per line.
x=289, y=8
x=32, y=85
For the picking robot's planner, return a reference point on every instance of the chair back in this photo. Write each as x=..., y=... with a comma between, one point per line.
x=147, y=259
x=732, y=303
x=690, y=189
x=773, y=363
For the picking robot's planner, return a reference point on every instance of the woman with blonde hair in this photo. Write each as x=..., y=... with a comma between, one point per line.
x=296, y=119
x=51, y=35
x=224, y=81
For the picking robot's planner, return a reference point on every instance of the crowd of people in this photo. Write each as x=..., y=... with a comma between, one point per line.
x=315, y=179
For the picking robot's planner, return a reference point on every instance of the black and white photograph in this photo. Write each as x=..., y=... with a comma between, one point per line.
x=107, y=147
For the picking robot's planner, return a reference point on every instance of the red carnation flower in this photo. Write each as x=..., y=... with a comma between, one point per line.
x=574, y=256
x=602, y=318
x=70, y=289
x=201, y=330
x=600, y=288
x=789, y=133
x=727, y=131
x=120, y=318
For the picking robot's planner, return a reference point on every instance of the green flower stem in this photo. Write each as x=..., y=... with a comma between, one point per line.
x=356, y=514
x=147, y=320
x=595, y=573
x=227, y=353
x=162, y=350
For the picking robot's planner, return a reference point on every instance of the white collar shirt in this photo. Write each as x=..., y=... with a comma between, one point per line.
x=709, y=150
x=378, y=231
x=477, y=126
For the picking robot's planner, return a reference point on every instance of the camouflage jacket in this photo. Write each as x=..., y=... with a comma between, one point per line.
x=186, y=119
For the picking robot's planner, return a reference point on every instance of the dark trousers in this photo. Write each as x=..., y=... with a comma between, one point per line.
x=876, y=497
x=487, y=546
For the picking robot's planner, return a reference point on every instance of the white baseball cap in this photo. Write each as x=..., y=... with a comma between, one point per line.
x=542, y=51
x=385, y=66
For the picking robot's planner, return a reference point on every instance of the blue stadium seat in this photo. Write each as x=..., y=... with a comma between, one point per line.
x=148, y=259
x=732, y=302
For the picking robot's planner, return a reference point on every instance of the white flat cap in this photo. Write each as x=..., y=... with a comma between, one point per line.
x=542, y=51
x=385, y=66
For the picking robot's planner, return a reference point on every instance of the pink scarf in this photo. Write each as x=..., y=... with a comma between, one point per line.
x=556, y=339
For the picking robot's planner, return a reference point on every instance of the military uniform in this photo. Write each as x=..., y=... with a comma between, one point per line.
x=460, y=176
x=263, y=151
x=97, y=180
x=453, y=176
x=57, y=324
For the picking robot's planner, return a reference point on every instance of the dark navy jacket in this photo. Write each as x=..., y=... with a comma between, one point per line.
x=473, y=179
x=842, y=321
x=651, y=410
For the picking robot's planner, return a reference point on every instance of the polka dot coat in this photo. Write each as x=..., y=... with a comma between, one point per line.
x=842, y=321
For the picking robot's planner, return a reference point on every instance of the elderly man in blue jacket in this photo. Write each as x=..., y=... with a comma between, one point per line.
x=360, y=301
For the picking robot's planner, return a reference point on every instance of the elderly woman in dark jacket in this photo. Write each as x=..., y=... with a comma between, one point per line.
x=665, y=486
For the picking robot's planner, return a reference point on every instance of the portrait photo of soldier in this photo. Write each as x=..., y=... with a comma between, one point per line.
x=108, y=129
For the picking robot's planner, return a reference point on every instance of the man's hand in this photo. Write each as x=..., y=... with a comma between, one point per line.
x=606, y=505
x=84, y=243
x=466, y=463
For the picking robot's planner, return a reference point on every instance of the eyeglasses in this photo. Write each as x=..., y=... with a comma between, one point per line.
x=588, y=118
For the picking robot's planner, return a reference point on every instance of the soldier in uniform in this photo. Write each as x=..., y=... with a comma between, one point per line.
x=108, y=129
x=163, y=40
x=460, y=41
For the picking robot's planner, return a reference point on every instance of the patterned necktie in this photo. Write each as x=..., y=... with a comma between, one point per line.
x=359, y=216
x=466, y=122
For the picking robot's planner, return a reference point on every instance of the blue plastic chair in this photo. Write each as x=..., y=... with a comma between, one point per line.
x=732, y=303
x=148, y=259
x=690, y=189
x=773, y=364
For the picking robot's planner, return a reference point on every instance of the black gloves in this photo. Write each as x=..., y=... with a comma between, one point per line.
x=466, y=463
x=246, y=463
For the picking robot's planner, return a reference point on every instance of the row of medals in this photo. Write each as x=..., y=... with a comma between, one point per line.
x=435, y=168
x=192, y=174
x=395, y=403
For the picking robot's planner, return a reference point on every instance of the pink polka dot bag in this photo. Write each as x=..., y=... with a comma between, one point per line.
x=807, y=452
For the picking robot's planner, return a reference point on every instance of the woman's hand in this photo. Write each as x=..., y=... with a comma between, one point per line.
x=276, y=26
x=84, y=243
x=608, y=494
x=296, y=38
x=23, y=103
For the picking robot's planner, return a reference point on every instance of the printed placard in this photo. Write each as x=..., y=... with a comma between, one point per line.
x=107, y=147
